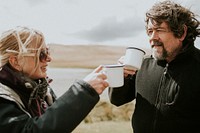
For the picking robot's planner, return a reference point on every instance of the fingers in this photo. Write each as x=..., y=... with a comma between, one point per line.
x=102, y=76
x=129, y=72
x=98, y=69
x=105, y=83
x=97, y=80
x=121, y=60
x=101, y=86
x=99, y=72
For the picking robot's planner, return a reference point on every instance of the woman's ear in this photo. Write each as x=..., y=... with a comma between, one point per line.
x=184, y=34
x=13, y=60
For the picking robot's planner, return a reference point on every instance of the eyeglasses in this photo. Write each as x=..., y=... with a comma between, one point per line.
x=44, y=54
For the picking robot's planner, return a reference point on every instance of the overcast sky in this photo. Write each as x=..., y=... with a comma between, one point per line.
x=106, y=22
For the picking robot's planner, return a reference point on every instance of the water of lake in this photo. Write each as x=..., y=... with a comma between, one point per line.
x=63, y=78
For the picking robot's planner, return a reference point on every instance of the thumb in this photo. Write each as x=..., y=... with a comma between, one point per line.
x=98, y=69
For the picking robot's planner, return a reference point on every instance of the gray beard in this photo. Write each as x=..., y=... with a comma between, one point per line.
x=159, y=56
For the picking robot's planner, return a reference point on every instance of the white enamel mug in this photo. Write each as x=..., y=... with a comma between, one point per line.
x=115, y=74
x=133, y=58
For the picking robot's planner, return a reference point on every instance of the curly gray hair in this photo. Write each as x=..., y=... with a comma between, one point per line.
x=176, y=16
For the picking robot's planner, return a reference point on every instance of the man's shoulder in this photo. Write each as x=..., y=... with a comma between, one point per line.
x=196, y=54
x=148, y=58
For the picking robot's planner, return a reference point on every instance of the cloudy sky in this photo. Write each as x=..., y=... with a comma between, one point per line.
x=106, y=22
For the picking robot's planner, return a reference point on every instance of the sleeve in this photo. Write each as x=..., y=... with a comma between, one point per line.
x=62, y=116
x=122, y=95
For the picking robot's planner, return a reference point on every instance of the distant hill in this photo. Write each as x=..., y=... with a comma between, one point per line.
x=84, y=56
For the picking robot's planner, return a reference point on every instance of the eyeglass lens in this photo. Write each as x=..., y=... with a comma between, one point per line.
x=43, y=55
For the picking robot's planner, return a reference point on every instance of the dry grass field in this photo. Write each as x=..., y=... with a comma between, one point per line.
x=84, y=56
x=107, y=118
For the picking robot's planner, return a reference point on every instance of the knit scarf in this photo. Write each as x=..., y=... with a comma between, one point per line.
x=31, y=92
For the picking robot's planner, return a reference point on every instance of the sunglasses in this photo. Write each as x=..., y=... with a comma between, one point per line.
x=44, y=54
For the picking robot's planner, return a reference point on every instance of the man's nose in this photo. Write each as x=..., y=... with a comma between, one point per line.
x=154, y=35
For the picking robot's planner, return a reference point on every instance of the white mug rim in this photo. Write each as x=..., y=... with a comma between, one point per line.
x=112, y=65
x=130, y=47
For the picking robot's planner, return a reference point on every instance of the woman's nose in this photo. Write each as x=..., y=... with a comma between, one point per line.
x=49, y=58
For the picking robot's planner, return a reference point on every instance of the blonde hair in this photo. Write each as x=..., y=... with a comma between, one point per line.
x=20, y=41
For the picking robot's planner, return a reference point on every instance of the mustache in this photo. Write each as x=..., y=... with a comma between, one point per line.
x=156, y=43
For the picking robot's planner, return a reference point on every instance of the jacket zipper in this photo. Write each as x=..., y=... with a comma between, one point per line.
x=158, y=102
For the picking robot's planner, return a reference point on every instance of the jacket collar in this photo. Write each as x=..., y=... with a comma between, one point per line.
x=27, y=89
x=188, y=52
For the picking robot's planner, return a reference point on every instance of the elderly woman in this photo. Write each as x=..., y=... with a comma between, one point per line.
x=27, y=104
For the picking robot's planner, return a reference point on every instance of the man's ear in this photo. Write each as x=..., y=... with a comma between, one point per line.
x=14, y=63
x=184, y=34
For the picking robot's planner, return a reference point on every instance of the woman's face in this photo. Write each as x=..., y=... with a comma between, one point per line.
x=30, y=66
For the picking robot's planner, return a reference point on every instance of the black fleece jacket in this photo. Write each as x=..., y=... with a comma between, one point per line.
x=167, y=95
x=61, y=117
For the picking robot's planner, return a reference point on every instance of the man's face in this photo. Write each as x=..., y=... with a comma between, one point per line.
x=165, y=46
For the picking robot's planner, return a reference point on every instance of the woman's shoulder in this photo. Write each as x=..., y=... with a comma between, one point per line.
x=9, y=94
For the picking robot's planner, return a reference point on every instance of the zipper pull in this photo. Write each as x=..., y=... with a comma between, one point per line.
x=165, y=69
